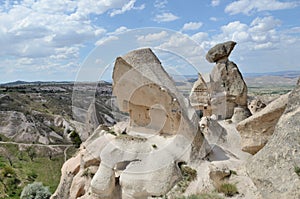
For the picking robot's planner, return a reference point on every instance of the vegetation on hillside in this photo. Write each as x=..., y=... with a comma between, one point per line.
x=25, y=170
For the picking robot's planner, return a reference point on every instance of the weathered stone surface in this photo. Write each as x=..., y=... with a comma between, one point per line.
x=228, y=89
x=273, y=167
x=139, y=158
x=149, y=95
x=200, y=97
x=77, y=172
x=220, y=51
x=239, y=114
x=256, y=105
x=257, y=129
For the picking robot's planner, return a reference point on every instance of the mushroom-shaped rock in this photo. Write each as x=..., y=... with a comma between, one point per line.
x=220, y=51
x=227, y=86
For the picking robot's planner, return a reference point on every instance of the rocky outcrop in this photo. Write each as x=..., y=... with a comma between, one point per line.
x=273, y=167
x=257, y=129
x=239, y=114
x=200, y=97
x=227, y=87
x=139, y=159
x=256, y=105
x=35, y=127
x=220, y=51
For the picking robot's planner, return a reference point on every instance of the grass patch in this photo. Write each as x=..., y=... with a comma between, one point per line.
x=24, y=171
x=297, y=170
x=188, y=175
x=228, y=189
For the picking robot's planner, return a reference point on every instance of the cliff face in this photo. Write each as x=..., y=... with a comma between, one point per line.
x=273, y=168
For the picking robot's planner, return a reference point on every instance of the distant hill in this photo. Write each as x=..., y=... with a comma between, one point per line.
x=23, y=83
x=286, y=74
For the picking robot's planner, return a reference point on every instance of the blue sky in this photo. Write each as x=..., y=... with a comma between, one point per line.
x=51, y=39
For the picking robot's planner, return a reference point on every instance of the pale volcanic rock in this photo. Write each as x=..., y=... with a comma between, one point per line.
x=273, y=168
x=239, y=114
x=149, y=95
x=220, y=51
x=200, y=96
x=256, y=105
x=227, y=86
x=139, y=158
x=257, y=129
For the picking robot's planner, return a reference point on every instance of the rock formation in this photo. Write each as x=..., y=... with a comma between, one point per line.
x=200, y=97
x=273, y=168
x=227, y=87
x=239, y=114
x=257, y=129
x=256, y=105
x=142, y=160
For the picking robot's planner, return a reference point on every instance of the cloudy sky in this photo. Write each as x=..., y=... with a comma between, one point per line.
x=51, y=39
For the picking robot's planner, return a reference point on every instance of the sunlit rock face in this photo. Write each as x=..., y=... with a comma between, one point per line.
x=227, y=86
x=273, y=168
x=200, y=97
x=142, y=159
x=145, y=91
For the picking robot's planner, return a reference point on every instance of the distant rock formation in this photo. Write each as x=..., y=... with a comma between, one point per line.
x=257, y=129
x=200, y=97
x=274, y=168
x=227, y=87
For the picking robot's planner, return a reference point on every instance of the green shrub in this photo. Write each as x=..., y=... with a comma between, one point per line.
x=35, y=190
x=8, y=171
x=228, y=189
x=75, y=138
x=297, y=170
x=188, y=175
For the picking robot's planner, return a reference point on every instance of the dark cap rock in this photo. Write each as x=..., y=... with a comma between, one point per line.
x=220, y=51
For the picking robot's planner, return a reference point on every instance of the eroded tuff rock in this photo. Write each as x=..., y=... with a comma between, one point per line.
x=273, y=167
x=140, y=158
x=256, y=105
x=239, y=114
x=227, y=86
x=257, y=129
x=200, y=96
x=220, y=51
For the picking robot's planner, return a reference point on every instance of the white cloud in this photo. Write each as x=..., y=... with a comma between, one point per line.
x=261, y=33
x=200, y=37
x=191, y=26
x=249, y=6
x=52, y=33
x=165, y=17
x=213, y=19
x=160, y=4
x=153, y=37
x=127, y=7
x=106, y=39
x=215, y=3
x=188, y=49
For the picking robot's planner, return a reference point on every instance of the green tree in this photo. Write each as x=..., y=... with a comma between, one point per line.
x=35, y=190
